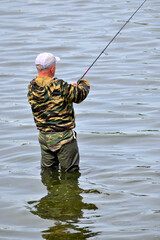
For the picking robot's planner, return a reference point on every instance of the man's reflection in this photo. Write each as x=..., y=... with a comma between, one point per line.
x=64, y=204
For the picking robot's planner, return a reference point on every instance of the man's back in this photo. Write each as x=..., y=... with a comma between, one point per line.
x=52, y=102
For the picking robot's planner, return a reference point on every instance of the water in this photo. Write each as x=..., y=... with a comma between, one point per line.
x=116, y=195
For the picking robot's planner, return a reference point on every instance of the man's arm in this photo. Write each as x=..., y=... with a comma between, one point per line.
x=76, y=92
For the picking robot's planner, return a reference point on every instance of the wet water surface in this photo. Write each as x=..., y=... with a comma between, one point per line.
x=116, y=194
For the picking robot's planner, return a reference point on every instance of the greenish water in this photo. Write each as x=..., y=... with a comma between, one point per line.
x=64, y=205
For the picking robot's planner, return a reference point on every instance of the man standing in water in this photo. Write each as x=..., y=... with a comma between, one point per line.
x=51, y=101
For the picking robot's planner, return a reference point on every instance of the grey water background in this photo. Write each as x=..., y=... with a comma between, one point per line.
x=117, y=195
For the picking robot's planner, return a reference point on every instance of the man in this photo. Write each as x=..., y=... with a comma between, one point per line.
x=51, y=101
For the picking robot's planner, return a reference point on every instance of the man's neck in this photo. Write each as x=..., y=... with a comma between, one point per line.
x=44, y=74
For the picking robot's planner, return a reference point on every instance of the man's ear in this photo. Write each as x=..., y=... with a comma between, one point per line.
x=52, y=69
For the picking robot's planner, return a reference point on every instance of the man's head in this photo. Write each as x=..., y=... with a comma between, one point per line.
x=46, y=63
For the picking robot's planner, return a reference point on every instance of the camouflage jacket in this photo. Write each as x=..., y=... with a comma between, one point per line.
x=52, y=100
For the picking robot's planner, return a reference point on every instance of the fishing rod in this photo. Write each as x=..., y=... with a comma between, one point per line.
x=113, y=39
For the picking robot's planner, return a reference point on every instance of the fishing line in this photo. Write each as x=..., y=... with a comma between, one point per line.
x=113, y=38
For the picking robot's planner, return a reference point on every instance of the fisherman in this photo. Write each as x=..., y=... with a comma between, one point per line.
x=51, y=101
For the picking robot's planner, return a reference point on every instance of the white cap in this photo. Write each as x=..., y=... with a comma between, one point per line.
x=45, y=60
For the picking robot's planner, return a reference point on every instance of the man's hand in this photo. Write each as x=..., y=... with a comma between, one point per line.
x=74, y=84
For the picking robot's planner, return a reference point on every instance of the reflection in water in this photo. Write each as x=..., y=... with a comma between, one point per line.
x=64, y=205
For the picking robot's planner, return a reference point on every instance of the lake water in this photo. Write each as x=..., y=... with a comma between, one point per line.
x=116, y=196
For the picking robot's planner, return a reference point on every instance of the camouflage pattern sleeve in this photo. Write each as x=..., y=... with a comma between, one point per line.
x=77, y=93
